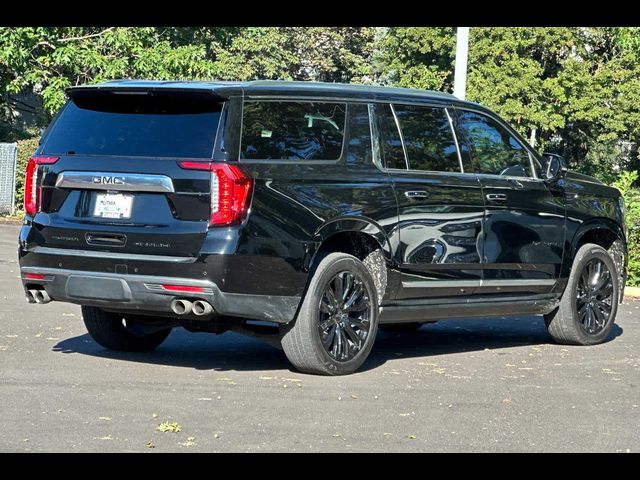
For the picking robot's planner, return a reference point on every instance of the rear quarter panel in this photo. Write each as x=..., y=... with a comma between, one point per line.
x=297, y=206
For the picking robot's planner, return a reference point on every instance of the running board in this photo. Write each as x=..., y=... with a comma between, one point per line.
x=402, y=312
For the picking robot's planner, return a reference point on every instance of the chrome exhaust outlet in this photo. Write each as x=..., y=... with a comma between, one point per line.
x=200, y=307
x=30, y=297
x=41, y=296
x=181, y=306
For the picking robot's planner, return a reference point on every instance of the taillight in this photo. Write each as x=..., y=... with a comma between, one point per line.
x=32, y=191
x=230, y=191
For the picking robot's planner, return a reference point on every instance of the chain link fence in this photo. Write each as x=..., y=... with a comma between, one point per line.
x=8, y=157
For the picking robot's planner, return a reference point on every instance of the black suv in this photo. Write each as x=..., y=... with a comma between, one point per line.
x=309, y=214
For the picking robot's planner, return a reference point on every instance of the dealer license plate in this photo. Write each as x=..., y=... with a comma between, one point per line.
x=113, y=205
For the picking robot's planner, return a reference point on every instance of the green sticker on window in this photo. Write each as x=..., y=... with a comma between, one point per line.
x=266, y=133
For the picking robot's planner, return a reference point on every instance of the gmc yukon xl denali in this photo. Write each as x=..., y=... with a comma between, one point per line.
x=309, y=214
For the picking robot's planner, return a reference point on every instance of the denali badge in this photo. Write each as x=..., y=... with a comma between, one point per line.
x=104, y=180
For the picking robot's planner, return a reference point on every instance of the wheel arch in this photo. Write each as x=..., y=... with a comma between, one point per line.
x=355, y=227
x=601, y=231
x=609, y=235
x=359, y=237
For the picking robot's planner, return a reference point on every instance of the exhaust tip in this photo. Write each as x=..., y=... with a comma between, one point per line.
x=29, y=296
x=40, y=296
x=200, y=307
x=181, y=306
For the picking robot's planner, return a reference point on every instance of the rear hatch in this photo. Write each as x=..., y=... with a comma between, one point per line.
x=112, y=180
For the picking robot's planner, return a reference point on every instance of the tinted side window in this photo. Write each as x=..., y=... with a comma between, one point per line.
x=292, y=130
x=390, y=143
x=428, y=138
x=494, y=150
x=359, y=146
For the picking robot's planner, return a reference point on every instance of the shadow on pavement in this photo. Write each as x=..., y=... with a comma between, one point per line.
x=235, y=352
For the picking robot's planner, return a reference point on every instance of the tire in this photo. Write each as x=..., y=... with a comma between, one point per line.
x=400, y=327
x=108, y=330
x=302, y=340
x=568, y=324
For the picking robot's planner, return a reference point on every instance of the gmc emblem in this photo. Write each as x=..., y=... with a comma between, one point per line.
x=103, y=180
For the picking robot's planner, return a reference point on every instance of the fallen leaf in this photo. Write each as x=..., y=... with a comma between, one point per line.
x=412, y=437
x=172, y=427
x=150, y=444
x=104, y=418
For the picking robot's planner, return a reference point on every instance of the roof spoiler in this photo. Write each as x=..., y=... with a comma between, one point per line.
x=93, y=90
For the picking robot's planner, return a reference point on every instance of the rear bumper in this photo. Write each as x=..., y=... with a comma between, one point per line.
x=144, y=293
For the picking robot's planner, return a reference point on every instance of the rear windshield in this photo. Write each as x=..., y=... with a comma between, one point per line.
x=132, y=124
x=292, y=130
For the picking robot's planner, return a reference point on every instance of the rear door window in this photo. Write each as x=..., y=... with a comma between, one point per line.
x=170, y=124
x=428, y=138
x=292, y=130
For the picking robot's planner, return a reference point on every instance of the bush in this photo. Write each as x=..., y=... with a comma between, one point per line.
x=632, y=203
x=25, y=150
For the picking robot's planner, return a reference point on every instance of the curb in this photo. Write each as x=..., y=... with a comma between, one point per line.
x=10, y=221
x=632, y=292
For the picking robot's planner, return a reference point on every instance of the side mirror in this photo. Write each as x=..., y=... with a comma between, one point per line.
x=555, y=167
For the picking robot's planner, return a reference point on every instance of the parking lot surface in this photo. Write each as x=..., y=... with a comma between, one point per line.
x=463, y=385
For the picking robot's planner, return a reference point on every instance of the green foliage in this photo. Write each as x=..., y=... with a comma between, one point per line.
x=26, y=148
x=46, y=60
x=631, y=196
x=602, y=161
x=416, y=57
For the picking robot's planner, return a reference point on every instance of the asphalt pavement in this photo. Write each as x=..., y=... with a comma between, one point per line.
x=463, y=385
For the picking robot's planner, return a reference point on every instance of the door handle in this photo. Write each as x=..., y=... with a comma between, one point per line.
x=416, y=194
x=497, y=197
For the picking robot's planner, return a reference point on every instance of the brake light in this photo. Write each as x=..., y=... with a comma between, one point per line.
x=230, y=191
x=32, y=190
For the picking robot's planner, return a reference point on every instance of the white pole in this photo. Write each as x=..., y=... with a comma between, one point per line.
x=462, y=51
x=532, y=138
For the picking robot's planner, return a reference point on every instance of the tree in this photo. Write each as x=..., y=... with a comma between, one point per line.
x=417, y=57
x=46, y=60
